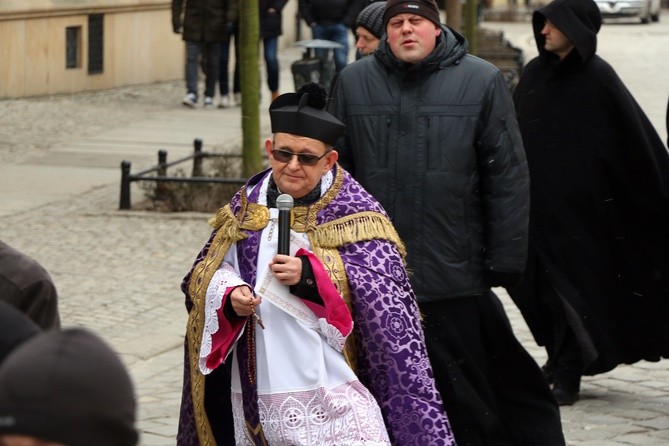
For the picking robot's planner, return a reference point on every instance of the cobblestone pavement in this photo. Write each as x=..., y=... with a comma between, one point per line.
x=118, y=272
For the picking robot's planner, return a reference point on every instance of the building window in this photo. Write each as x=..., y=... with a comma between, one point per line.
x=95, y=43
x=72, y=47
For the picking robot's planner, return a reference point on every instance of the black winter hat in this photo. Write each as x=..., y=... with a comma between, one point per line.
x=424, y=8
x=371, y=18
x=303, y=113
x=68, y=387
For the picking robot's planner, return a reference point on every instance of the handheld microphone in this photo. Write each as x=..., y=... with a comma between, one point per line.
x=284, y=203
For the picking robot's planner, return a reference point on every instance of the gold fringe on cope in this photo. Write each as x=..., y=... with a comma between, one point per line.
x=325, y=240
x=355, y=228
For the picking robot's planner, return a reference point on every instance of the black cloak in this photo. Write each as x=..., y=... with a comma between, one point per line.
x=599, y=188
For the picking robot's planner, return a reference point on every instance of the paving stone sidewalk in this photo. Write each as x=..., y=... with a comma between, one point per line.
x=118, y=272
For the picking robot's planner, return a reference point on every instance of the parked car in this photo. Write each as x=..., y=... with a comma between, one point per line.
x=646, y=10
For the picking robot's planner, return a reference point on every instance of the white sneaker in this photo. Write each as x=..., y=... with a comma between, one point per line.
x=208, y=102
x=238, y=99
x=190, y=100
x=224, y=102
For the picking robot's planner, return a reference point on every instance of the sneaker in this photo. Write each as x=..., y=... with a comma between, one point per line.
x=238, y=99
x=208, y=102
x=190, y=100
x=224, y=102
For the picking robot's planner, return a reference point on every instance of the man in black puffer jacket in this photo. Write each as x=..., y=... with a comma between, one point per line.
x=431, y=133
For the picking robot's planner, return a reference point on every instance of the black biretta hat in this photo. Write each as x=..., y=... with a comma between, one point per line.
x=303, y=114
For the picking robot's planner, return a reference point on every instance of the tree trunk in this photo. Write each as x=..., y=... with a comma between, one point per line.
x=249, y=38
x=453, y=14
x=471, y=25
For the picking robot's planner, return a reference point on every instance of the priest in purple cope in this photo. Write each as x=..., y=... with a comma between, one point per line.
x=323, y=346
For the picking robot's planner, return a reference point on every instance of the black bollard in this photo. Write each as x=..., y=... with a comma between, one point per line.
x=197, y=158
x=125, y=185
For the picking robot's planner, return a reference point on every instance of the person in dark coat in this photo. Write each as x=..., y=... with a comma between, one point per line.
x=26, y=285
x=270, y=30
x=369, y=29
x=15, y=328
x=431, y=132
x=331, y=20
x=203, y=26
x=231, y=39
x=66, y=388
x=596, y=288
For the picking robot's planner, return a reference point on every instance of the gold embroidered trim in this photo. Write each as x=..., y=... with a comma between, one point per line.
x=228, y=232
x=334, y=266
x=252, y=432
x=324, y=239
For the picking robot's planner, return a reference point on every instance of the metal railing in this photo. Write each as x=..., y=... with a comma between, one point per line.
x=161, y=176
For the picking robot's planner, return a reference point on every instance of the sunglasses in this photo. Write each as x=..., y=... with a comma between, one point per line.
x=306, y=159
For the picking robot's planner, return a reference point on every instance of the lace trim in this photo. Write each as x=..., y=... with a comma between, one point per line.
x=332, y=335
x=225, y=277
x=346, y=415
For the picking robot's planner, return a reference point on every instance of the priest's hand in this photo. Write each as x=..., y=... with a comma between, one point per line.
x=286, y=269
x=243, y=301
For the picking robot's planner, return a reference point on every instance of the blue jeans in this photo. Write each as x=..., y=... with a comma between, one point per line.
x=223, y=79
x=336, y=33
x=271, y=62
x=207, y=54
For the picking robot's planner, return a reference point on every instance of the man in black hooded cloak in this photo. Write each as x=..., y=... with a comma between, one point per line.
x=596, y=288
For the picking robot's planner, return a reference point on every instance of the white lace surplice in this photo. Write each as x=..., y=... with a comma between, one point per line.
x=307, y=393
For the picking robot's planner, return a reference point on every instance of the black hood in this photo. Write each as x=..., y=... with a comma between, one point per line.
x=578, y=20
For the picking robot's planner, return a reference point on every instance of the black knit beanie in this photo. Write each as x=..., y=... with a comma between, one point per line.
x=68, y=387
x=425, y=8
x=371, y=18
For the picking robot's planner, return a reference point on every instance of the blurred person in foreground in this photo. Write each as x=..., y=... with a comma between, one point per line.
x=26, y=285
x=431, y=133
x=15, y=328
x=325, y=344
x=66, y=388
x=595, y=291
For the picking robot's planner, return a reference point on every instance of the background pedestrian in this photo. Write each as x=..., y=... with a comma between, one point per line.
x=369, y=29
x=595, y=288
x=331, y=20
x=231, y=39
x=26, y=285
x=270, y=30
x=202, y=24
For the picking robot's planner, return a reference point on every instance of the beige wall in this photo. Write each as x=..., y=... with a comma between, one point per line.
x=139, y=45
